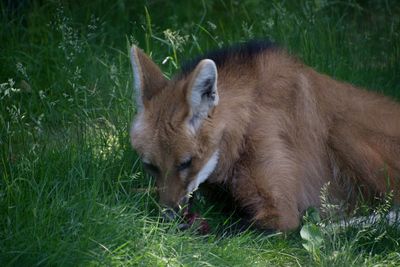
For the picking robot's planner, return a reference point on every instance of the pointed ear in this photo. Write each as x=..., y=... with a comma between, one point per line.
x=148, y=78
x=202, y=92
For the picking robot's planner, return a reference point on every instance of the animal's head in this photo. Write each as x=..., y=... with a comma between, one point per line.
x=174, y=131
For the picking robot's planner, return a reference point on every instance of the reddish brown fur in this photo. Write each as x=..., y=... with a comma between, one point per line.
x=283, y=131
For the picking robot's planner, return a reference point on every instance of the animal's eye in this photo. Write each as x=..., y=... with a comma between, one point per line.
x=184, y=165
x=152, y=169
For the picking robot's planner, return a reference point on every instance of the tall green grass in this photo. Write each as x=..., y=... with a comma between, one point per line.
x=71, y=189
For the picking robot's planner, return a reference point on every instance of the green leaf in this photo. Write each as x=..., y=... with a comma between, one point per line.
x=312, y=234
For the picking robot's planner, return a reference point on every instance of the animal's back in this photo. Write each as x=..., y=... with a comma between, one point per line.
x=301, y=130
x=364, y=134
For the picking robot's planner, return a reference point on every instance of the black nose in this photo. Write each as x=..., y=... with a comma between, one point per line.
x=184, y=202
x=169, y=214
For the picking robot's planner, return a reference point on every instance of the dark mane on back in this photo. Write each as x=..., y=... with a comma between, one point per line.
x=240, y=52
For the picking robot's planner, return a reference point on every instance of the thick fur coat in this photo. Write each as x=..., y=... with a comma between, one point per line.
x=271, y=129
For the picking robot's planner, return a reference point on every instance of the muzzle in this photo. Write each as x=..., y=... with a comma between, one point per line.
x=170, y=214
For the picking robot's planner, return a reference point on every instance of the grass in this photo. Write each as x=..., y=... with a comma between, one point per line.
x=71, y=189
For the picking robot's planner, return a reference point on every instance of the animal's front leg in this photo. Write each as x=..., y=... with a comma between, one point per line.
x=269, y=191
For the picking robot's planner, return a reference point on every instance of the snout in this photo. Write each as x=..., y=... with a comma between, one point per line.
x=171, y=212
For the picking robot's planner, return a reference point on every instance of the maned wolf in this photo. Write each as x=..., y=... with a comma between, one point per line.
x=269, y=128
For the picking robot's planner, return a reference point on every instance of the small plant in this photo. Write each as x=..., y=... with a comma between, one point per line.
x=333, y=240
x=176, y=42
x=312, y=234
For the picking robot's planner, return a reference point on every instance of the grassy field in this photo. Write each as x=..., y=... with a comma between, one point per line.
x=72, y=191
